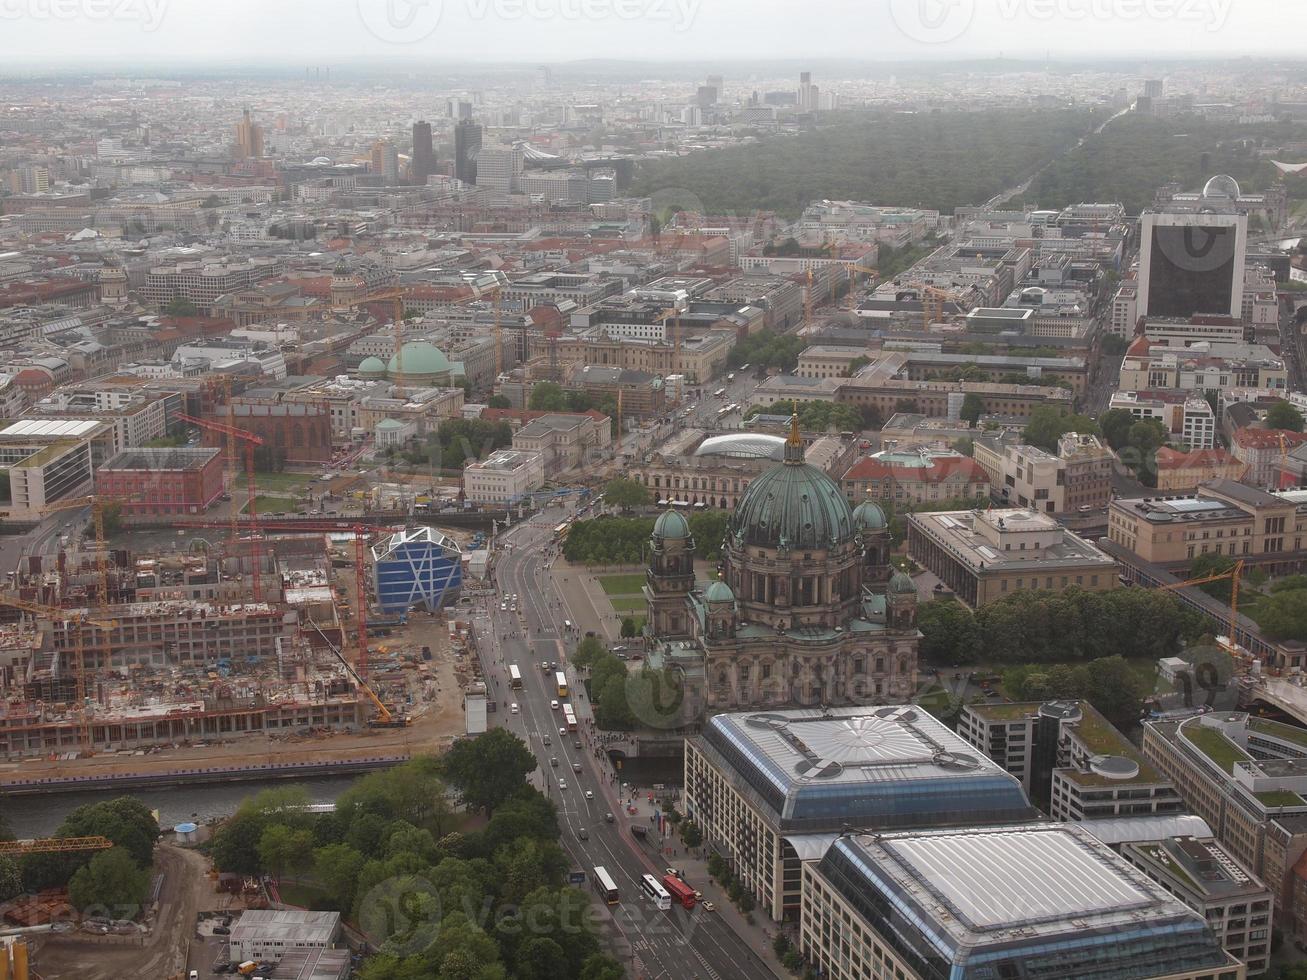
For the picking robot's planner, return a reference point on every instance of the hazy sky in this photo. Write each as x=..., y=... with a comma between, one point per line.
x=296, y=32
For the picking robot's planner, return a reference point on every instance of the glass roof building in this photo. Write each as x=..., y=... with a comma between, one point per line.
x=762, y=784
x=998, y=903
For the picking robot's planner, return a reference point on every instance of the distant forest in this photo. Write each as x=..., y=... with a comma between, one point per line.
x=945, y=160
x=1135, y=155
x=934, y=159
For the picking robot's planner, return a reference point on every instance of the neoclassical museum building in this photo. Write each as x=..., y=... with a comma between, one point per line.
x=805, y=611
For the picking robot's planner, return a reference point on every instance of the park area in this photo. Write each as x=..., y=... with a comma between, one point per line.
x=623, y=592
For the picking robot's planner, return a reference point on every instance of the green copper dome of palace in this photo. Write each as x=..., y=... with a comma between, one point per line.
x=420, y=358
x=793, y=506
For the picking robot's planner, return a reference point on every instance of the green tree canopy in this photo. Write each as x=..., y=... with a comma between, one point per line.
x=1047, y=425
x=489, y=769
x=111, y=883
x=626, y=493
x=1282, y=415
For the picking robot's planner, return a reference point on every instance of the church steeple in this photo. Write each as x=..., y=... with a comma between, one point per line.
x=794, y=444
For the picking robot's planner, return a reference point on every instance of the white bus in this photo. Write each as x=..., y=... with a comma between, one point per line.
x=603, y=883
x=653, y=890
x=719, y=393
x=514, y=677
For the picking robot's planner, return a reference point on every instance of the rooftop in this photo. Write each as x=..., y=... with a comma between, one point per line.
x=154, y=460
x=285, y=926
x=875, y=767
x=1033, y=900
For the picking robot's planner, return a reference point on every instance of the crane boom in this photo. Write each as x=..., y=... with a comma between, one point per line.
x=53, y=845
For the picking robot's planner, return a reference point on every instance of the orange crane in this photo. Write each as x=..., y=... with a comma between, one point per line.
x=1234, y=574
x=53, y=845
x=251, y=440
x=77, y=620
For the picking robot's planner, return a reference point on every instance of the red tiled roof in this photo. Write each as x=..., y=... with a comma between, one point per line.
x=1251, y=437
x=1174, y=459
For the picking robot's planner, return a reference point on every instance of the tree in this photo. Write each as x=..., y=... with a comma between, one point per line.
x=691, y=834
x=950, y=634
x=181, y=307
x=973, y=406
x=547, y=396
x=628, y=627
x=111, y=882
x=11, y=880
x=1115, y=425
x=625, y=493
x=337, y=867
x=1115, y=345
x=1047, y=425
x=281, y=847
x=488, y=770
x=1282, y=415
x=1283, y=615
x=856, y=365
x=498, y=401
x=600, y=966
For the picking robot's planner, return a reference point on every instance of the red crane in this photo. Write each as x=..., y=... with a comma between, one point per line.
x=251, y=440
x=360, y=532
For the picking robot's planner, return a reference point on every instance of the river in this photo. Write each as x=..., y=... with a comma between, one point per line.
x=39, y=816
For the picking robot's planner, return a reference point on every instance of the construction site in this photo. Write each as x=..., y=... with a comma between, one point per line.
x=264, y=653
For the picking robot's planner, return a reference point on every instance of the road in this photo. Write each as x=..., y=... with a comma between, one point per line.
x=43, y=539
x=676, y=945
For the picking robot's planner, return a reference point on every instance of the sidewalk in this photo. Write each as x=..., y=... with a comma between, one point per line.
x=693, y=866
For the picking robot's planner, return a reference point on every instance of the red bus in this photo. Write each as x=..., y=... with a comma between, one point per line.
x=679, y=890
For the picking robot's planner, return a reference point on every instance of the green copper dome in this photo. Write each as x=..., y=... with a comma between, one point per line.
x=421, y=358
x=795, y=506
x=901, y=584
x=869, y=515
x=671, y=526
x=719, y=591
x=372, y=365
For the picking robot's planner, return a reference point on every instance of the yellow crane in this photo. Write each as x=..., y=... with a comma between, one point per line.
x=97, y=505
x=1234, y=574
x=76, y=619
x=53, y=845
x=853, y=279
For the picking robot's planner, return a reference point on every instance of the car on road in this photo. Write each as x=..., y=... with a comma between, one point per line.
x=576, y=767
x=562, y=731
x=562, y=784
x=513, y=708
x=708, y=906
x=674, y=873
x=553, y=704
x=547, y=740
x=554, y=763
x=503, y=607
x=582, y=834
x=576, y=744
x=589, y=795
x=608, y=818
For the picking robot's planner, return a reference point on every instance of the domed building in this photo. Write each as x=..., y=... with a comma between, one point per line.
x=805, y=612
x=422, y=364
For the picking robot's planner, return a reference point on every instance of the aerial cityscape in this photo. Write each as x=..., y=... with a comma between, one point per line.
x=653, y=490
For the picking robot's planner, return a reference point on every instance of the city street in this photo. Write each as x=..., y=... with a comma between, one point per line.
x=678, y=945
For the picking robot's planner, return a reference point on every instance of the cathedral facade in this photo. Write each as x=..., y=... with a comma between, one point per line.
x=805, y=611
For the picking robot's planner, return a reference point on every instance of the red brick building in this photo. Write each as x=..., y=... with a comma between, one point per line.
x=292, y=432
x=162, y=481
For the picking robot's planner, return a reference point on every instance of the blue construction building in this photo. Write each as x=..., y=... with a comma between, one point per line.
x=418, y=567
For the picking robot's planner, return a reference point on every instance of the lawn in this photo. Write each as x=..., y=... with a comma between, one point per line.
x=281, y=481
x=627, y=603
x=271, y=505
x=622, y=584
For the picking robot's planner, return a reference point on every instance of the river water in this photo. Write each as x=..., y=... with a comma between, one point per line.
x=39, y=816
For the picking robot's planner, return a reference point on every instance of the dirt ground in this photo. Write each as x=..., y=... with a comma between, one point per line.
x=435, y=723
x=186, y=890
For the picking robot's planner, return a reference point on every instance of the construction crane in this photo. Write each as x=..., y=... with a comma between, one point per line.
x=251, y=440
x=385, y=717
x=1234, y=574
x=360, y=532
x=853, y=280
x=97, y=505
x=53, y=845
x=77, y=619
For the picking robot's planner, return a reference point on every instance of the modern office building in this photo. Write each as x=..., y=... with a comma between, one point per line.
x=760, y=784
x=1206, y=877
x=423, y=164
x=1078, y=475
x=505, y=476
x=1192, y=264
x=500, y=168
x=1247, y=777
x=50, y=460
x=249, y=138
x=418, y=567
x=985, y=555
x=467, y=144
x=384, y=161
x=1070, y=759
x=1043, y=900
